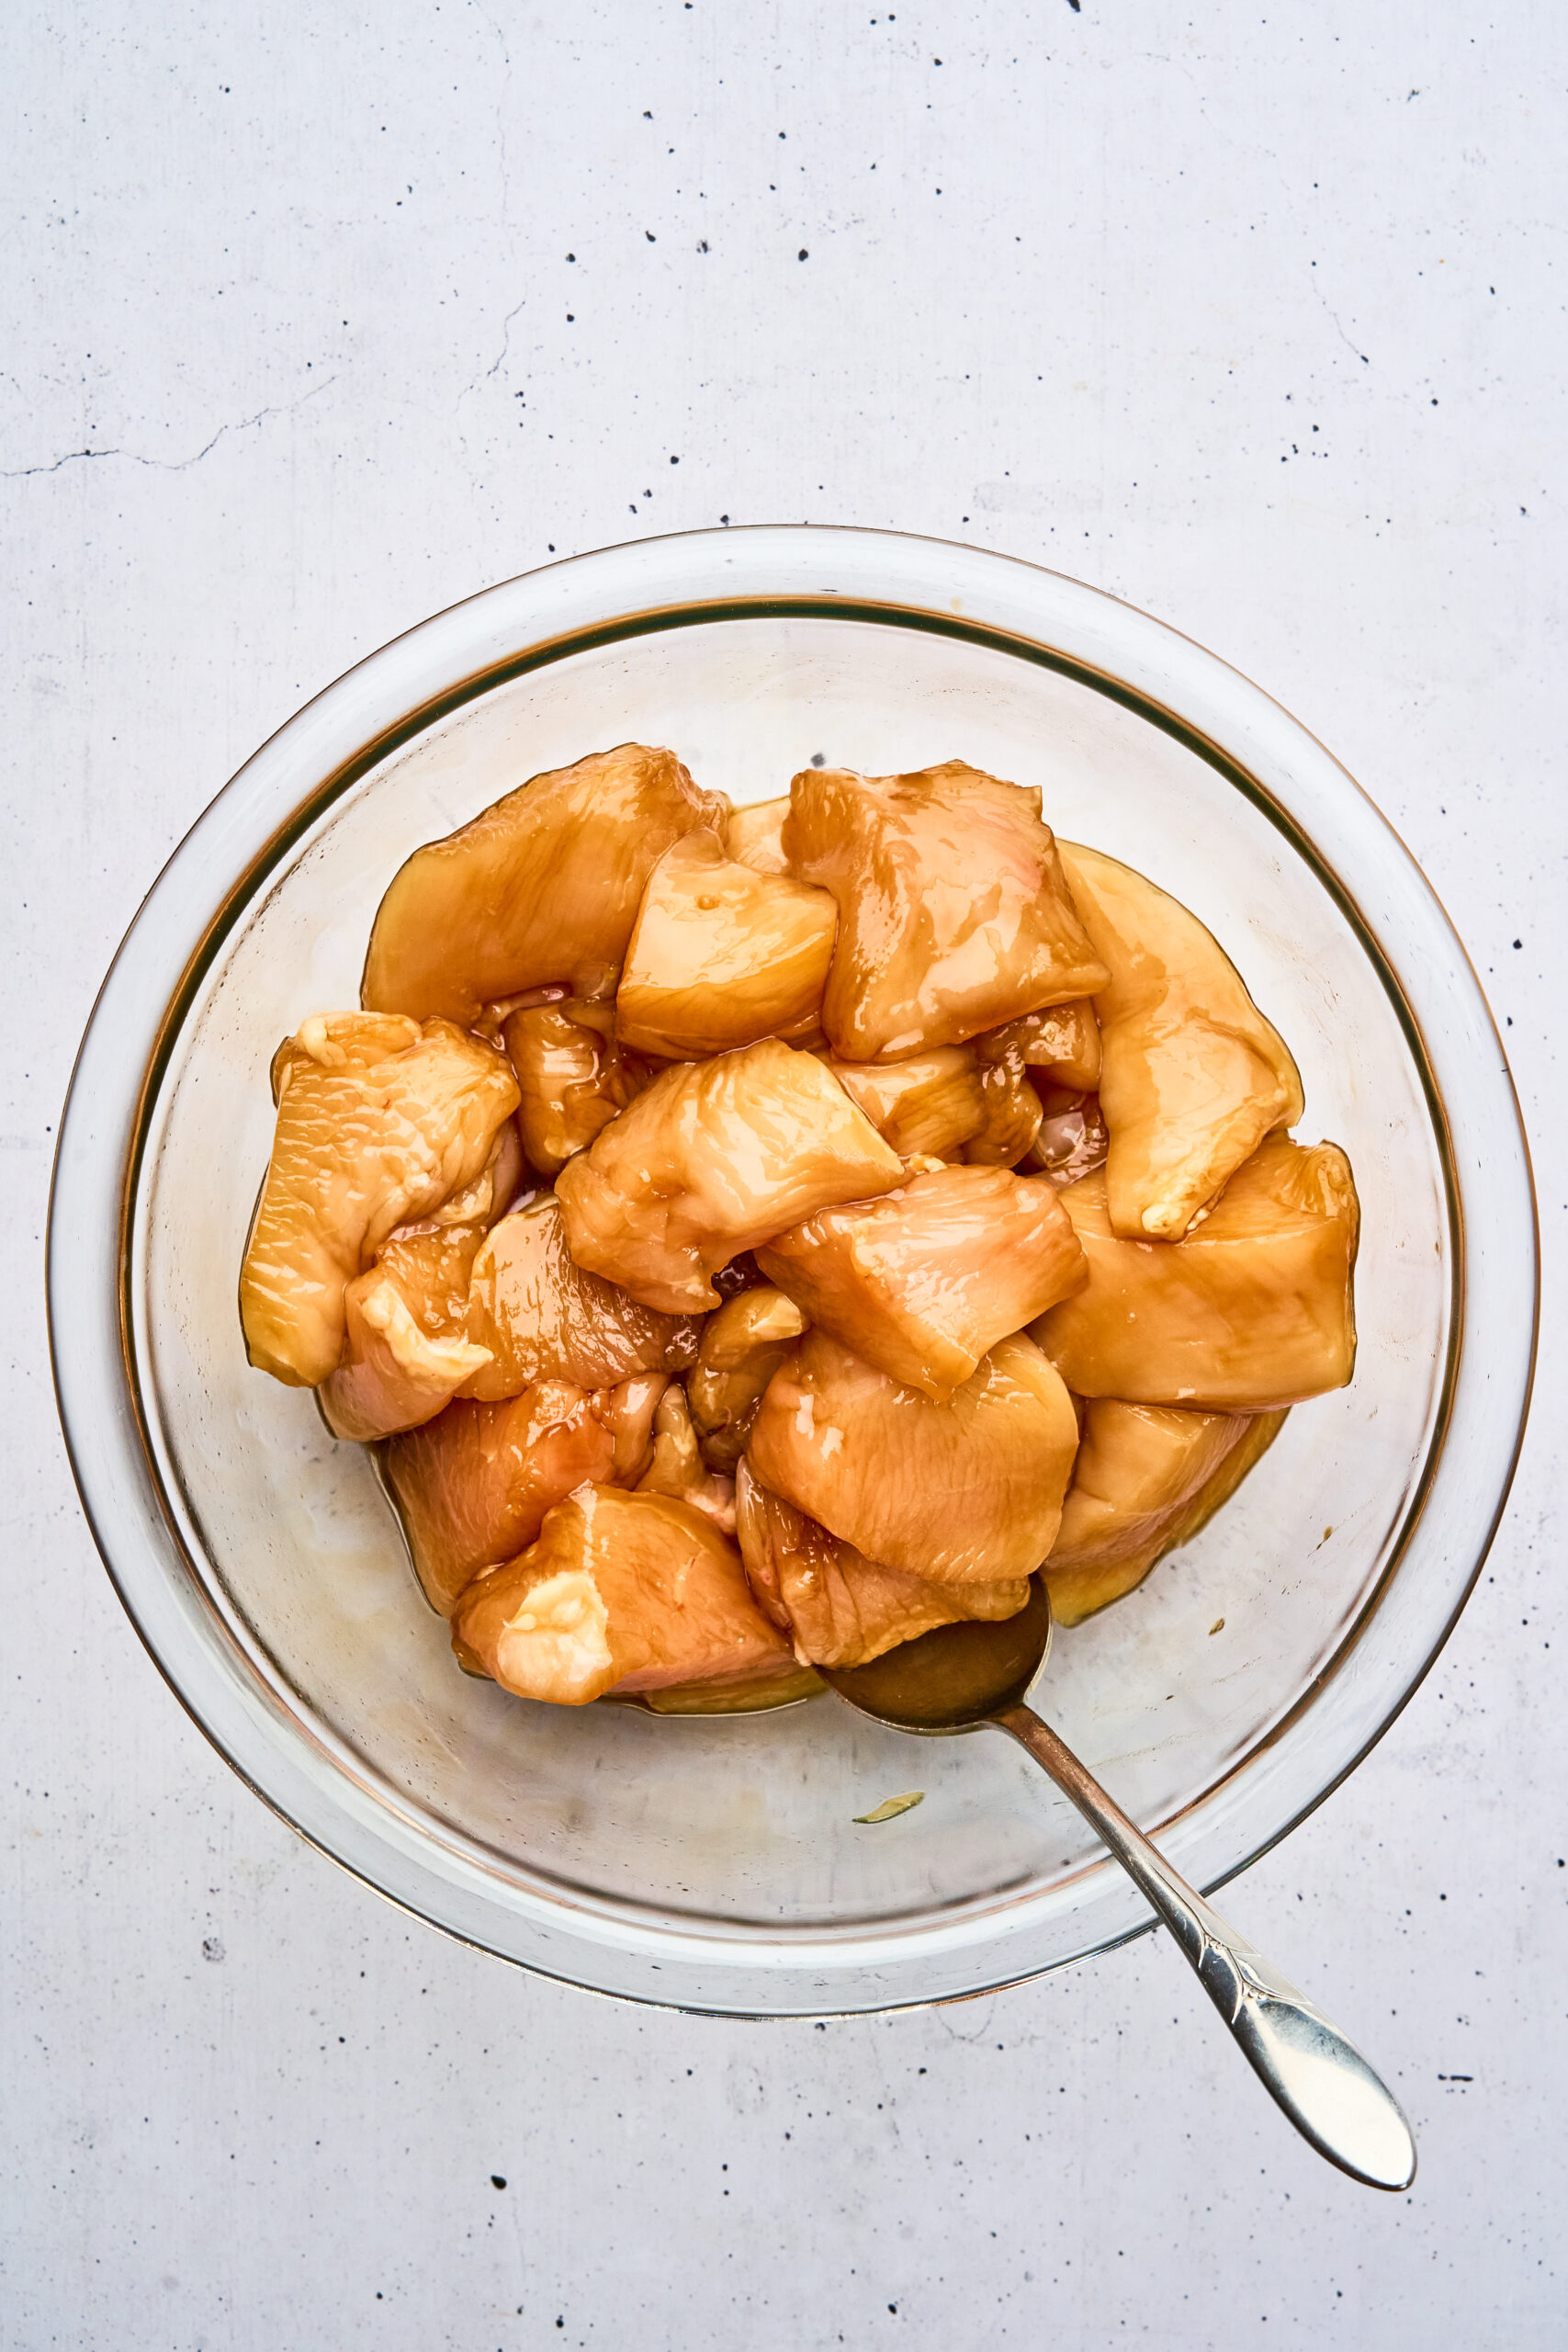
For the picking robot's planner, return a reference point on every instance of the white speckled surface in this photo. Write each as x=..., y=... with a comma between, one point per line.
x=1257, y=322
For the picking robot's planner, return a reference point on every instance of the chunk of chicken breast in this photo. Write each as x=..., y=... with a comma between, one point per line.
x=839, y=1607
x=953, y=914
x=377, y=1127
x=965, y=1492
x=1145, y=1479
x=1254, y=1309
x=472, y=1486
x=544, y=885
x=620, y=1592
x=923, y=1280
x=929, y=1105
x=715, y=1157
x=741, y=1348
x=540, y=1317
x=1192, y=1076
x=722, y=955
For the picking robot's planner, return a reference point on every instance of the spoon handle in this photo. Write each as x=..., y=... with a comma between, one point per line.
x=1313, y=2071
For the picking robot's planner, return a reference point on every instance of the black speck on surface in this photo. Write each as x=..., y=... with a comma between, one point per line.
x=212, y=1948
x=803, y=254
x=498, y=2181
x=819, y=759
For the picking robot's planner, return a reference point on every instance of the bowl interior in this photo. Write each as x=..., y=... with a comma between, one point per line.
x=743, y=1831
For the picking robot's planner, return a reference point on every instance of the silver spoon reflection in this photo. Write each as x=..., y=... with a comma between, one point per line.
x=964, y=1676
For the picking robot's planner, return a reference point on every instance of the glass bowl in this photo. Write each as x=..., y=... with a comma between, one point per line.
x=717, y=1864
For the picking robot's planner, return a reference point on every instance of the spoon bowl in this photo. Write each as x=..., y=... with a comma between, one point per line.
x=955, y=1679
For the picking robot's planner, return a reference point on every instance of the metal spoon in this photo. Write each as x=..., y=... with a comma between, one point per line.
x=964, y=1676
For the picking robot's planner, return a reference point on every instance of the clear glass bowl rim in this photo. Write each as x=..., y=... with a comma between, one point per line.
x=526, y=623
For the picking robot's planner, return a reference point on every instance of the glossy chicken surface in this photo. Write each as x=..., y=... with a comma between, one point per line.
x=715, y=1157
x=837, y=1607
x=929, y=1105
x=924, y=1281
x=540, y=1317
x=571, y=1075
x=753, y=836
x=953, y=914
x=377, y=1127
x=472, y=1486
x=1062, y=1041
x=677, y=1468
x=1013, y=1114
x=1254, y=1309
x=743, y=1346
x=969, y=1491
x=722, y=955
x=544, y=886
x=620, y=1592
x=1146, y=1479
x=1192, y=1076
x=396, y=1376
x=755, y=1238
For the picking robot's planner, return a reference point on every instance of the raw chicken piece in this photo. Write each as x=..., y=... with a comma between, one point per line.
x=966, y=1492
x=1062, y=1042
x=572, y=1075
x=1145, y=1479
x=1254, y=1309
x=715, y=1157
x=1192, y=1076
x=931, y=1104
x=839, y=1607
x=751, y=836
x=472, y=1487
x=1014, y=1113
x=722, y=955
x=544, y=885
x=371, y=1134
x=542, y=1317
x=406, y=1354
x=741, y=1348
x=677, y=1468
x=621, y=1592
x=953, y=915
x=922, y=1282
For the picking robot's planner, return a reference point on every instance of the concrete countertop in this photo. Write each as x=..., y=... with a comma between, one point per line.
x=315, y=323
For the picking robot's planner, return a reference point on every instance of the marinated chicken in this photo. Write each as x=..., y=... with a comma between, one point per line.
x=927, y=1106
x=1253, y=1311
x=953, y=914
x=1062, y=1042
x=1192, y=1076
x=472, y=1486
x=377, y=1125
x=1145, y=1479
x=969, y=1491
x=743, y=1346
x=722, y=955
x=396, y=1373
x=753, y=1239
x=572, y=1075
x=620, y=1592
x=839, y=1607
x=923, y=1280
x=753, y=836
x=677, y=1468
x=715, y=1157
x=544, y=886
x=1013, y=1114
x=540, y=1317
